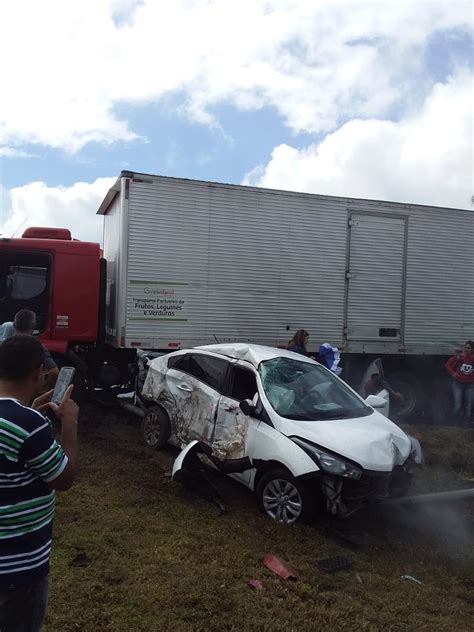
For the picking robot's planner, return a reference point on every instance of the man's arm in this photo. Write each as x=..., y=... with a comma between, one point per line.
x=54, y=462
x=68, y=413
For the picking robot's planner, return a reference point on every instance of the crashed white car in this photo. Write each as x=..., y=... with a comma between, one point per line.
x=281, y=424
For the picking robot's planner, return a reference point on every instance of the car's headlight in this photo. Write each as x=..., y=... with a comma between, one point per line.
x=329, y=462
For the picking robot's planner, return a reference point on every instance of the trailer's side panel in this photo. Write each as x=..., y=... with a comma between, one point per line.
x=210, y=261
x=276, y=265
x=376, y=277
x=440, y=279
x=167, y=264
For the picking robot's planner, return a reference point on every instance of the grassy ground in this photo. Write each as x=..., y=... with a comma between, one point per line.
x=134, y=551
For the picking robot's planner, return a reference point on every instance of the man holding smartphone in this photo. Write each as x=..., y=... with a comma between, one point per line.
x=32, y=466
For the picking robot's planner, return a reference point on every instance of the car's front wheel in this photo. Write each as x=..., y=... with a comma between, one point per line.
x=156, y=428
x=284, y=498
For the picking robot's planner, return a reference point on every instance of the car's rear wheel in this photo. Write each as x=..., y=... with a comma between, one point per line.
x=156, y=428
x=284, y=498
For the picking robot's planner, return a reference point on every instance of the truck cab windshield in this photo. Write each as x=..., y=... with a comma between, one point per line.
x=308, y=392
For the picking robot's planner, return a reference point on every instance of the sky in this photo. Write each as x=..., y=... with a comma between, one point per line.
x=357, y=99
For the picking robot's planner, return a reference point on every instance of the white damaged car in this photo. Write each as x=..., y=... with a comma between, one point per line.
x=280, y=423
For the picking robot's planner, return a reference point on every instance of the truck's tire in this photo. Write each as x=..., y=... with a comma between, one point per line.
x=409, y=386
x=156, y=428
x=284, y=498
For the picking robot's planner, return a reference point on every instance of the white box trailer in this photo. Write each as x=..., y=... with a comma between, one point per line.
x=189, y=262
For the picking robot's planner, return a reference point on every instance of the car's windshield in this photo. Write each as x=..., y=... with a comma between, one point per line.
x=307, y=392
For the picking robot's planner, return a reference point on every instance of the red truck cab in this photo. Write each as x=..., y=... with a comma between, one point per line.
x=58, y=278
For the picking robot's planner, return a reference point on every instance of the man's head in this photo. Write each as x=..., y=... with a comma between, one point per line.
x=22, y=365
x=25, y=322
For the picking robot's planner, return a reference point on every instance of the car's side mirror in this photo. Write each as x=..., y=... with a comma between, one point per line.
x=247, y=407
x=375, y=401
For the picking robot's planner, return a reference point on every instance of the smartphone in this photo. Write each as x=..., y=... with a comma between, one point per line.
x=65, y=378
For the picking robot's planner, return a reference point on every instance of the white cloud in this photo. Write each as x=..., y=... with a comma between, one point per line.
x=426, y=158
x=74, y=207
x=11, y=152
x=318, y=63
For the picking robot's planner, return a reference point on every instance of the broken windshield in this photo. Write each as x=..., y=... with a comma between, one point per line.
x=307, y=392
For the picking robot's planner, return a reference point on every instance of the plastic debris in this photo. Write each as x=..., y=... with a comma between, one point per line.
x=335, y=563
x=412, y=579
x=359, y=578
x=256, y=584
x=279, y=567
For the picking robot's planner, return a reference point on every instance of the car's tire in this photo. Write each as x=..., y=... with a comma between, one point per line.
x=284, y=498
x=410, y=388
x=156, y=428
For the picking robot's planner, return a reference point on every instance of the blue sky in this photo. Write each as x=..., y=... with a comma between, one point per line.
x=359, y=99
x=172, y=145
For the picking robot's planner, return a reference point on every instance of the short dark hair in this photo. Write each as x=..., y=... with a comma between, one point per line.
x=19, y=357
x=25, y=320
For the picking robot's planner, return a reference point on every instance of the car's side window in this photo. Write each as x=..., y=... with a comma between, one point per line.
x=210, y=370
x=243, y=384
x=179, y=362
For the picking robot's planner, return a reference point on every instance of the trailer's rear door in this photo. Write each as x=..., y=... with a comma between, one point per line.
x=376, y=277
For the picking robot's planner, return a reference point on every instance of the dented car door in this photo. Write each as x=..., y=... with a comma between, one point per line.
x=196, y=388
x=231, y=430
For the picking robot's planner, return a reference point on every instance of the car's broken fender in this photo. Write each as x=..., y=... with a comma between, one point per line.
x=190, y=452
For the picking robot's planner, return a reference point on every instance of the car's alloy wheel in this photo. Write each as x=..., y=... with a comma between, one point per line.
x=283, y=498
x=155, y=428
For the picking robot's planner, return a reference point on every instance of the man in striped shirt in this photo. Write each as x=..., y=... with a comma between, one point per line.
x=32, y=466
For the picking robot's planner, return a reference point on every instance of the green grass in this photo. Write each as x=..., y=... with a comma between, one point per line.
x=161, y=558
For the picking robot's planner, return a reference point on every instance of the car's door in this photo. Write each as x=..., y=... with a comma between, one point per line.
x=196, y=385
x=232, y=426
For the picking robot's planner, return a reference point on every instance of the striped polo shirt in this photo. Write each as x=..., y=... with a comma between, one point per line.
x=30, y=458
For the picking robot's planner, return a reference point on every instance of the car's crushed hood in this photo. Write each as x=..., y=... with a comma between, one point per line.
x=374, y=442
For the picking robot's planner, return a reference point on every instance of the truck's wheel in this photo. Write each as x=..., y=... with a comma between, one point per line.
x=156, y=428
x=284, y=498
x=409, y=387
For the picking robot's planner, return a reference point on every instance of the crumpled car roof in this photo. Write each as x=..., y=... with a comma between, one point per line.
x=252, y=353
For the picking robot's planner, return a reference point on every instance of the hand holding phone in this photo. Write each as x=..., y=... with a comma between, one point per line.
x=67, y=411
x=65, y=378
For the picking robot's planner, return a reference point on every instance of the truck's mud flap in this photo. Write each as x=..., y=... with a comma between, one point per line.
x=188, y=461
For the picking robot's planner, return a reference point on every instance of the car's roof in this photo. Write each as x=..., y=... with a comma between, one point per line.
x=251, y=353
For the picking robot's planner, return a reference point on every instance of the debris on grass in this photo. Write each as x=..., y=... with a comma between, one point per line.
x=334, y=563
x=256, y=584
x=279, y=567
x=359, y=578
x=412, y=579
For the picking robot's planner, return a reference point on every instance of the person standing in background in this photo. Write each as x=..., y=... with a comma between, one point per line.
x=25, y=324
x=460, y=366
x=299, y=341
